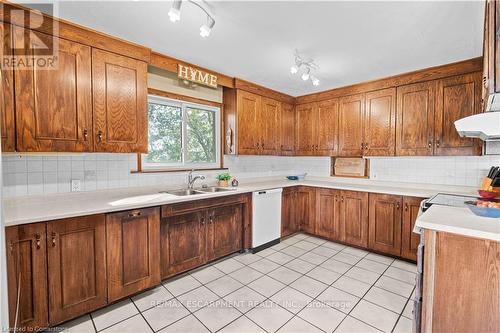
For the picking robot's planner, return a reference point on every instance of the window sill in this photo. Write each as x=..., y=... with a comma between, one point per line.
x=176, y=170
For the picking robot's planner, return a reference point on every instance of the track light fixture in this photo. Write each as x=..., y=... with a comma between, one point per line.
x=308, y=66
x=175, y=11
x=175, y=15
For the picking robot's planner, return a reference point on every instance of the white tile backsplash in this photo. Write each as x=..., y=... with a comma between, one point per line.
x=45, y=174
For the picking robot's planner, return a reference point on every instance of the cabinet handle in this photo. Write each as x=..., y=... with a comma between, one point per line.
x=406, y=207
x=437, y=143
x=210, y=219
x=262, y=145
x=362, y=146
x=342, y=198
x=135, y=213
x=430, y=144
x=397, y=205
x=317, y=147
x=85, y=134
x=53, y=239
x=366, y=146
x=37, y=237
x=99, y=136
x=202, y=221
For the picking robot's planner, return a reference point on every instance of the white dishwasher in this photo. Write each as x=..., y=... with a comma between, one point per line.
x=266, y=218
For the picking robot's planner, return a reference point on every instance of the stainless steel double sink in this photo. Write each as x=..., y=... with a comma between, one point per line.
x=186, y=192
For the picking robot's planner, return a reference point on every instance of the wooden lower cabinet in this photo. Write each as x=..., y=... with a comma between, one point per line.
x=27, y=276
x=76, y=255
x=306, y=208
x=224, y=231
x=190, y=239
x=409, y=239
x=133, y=251
x=182, y=243
x=327, y=214
x=354, y=217
x=461, y=285
x=288, y=212
x=384, y=234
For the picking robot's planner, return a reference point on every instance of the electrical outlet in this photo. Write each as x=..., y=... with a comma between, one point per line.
x=76, y=185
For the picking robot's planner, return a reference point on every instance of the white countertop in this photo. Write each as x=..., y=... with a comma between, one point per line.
x=56, y=206
x=461, y=221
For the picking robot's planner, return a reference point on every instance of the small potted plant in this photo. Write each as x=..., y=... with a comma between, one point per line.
x=224, y=179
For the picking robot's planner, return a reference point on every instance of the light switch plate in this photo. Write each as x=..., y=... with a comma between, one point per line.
x=76, y=185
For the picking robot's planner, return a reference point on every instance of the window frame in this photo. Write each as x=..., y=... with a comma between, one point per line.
x=144, y=166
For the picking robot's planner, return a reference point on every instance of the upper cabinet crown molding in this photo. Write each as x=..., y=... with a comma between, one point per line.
x=426, y=74
x=263, y=91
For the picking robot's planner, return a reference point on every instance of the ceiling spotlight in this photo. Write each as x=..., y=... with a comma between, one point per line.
x=294, y=69
x=207, y=28
x=305, y=76
x=175, y=11
x=315, y=81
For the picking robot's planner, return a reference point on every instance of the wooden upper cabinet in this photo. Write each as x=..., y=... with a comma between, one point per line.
x=183, y=243
x=409, y=239
x=497, y=46
x=53, y=105
x=269, y=125
x=491, y=50
x=354, y=217
x=327, y=214
x=415, y=119
x=120, y=103
x=326, y=128
x=224, y=231
x=133, y=251
x=380, y=123
x=7, y=129
x=27, y=276
x=351, y=114
x=76, y=266
x=457, y=97
x=287, y=130
x=305, y=133
x=248, y=109
x=385, y=223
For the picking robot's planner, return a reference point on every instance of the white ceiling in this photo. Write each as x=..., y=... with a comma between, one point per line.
x=351, y=41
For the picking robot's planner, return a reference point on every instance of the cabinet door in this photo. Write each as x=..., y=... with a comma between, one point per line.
x=457, y=97
x=287, y=131
x=409, y=239
x=183, y=244
x=354, y=217
x=7, y=93
x=269, y=123
x=76, y=266
x=351, y=113
x=380, y=123
x=327, y=214
x=288, y=211
x=54, y=106
x=133, y=251
x=248, y=106
x=224, y=231
x=415, y=119
x=385, y=223
x=305, y=129
x=27, y=276
x=326, y=128
x=306, y=209
x=120, y=103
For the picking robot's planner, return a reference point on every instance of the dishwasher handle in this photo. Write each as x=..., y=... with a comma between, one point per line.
x=263, y=192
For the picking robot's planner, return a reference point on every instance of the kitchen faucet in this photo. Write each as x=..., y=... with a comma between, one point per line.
x=192, y=179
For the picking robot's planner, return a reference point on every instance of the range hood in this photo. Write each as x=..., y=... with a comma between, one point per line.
x=485, y=126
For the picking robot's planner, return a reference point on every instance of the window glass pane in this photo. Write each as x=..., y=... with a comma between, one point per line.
x=165, y=133
x=201, y=135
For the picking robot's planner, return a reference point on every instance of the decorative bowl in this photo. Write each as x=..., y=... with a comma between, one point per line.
x=487, y=194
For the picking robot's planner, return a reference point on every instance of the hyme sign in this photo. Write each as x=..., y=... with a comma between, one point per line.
x=197, y=76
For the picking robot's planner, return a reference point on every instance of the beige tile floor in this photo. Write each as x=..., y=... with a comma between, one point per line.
x=303, y=284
